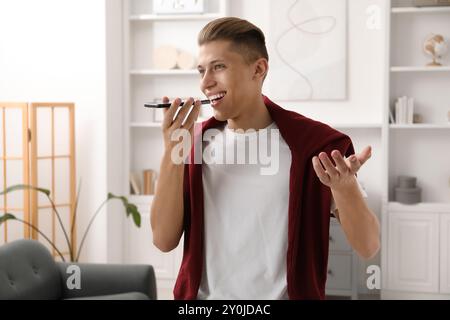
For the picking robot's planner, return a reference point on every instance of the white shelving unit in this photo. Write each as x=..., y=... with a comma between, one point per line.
x=420, y=126
x=420, y=10
x=356, y=125
x=412, y=265
x=152, y=72
x=143, y=32
x=419, y=207
x=186, y=17
x=420, y=69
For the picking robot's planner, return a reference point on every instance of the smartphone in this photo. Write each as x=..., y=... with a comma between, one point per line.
x=167, y=105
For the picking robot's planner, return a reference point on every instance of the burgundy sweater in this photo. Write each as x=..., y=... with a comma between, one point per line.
x=309, y=207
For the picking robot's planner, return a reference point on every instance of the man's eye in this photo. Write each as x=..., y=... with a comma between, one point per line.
x=219, y=66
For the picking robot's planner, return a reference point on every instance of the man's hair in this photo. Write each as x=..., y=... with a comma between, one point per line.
x=246, y=38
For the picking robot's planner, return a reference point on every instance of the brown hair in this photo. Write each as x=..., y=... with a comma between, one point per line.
x=246, y=38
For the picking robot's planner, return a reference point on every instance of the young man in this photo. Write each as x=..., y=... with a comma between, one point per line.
x=248, y=235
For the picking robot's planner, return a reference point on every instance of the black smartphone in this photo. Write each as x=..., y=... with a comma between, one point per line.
x=167, y=105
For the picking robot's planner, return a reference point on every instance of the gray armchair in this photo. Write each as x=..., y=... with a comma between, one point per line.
x=28, y=271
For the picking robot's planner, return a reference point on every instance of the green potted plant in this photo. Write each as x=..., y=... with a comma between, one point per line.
x=130, y=210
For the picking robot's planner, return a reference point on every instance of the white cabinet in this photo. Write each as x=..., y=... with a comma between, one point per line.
x=139, y=249
x=414, y=237
x=417, y=252
x=413, y=256
x=342, y=264
x=445, y=253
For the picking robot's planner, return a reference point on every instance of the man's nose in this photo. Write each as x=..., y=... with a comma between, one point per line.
x=207, y=81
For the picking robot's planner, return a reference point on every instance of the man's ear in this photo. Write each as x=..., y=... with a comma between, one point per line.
x=261, y=68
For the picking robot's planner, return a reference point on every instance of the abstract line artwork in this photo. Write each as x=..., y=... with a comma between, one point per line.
x=308, y=46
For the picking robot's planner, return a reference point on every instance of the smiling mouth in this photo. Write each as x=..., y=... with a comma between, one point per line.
x=215, y=99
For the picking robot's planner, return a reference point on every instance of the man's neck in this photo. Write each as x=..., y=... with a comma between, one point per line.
x=254, y=116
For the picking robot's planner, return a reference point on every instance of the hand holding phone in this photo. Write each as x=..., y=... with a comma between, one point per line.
x=167, y=105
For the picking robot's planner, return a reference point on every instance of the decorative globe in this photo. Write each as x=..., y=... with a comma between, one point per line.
x=435, y=46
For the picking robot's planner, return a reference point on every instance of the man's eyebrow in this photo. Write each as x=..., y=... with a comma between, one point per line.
x=212, y=62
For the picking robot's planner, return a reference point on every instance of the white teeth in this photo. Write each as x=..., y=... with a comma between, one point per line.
x=217, y=96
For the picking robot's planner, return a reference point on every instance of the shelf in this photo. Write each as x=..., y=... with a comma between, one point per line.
x=141, y=199
x=420, y=69
x=145, y=125
x=419, y=207
x=336, y=126
x=421, y=10
x=420, y=126
x=356, y=125
x=174, y=17
x=156, y=124
x=153, y=72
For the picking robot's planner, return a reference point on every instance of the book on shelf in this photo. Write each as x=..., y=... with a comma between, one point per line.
x=404, y=110
x=391, y=116
x=410, y=111
x=134, y=184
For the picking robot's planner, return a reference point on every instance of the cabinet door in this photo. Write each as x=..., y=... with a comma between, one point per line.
x=338, y=241
x=413, y=252
x=445, y=253
x=140, y=249
x=339, y=272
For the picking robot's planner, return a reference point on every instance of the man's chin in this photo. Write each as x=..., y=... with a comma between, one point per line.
x=220, y=116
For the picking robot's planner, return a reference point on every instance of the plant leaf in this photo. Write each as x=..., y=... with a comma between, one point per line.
x=133, y=210
x=6, y=217
x=130, y=208
x=24, y=186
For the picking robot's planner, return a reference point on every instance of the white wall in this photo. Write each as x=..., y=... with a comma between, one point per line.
x=54, y=50
x=115, y=123
x=366, y=49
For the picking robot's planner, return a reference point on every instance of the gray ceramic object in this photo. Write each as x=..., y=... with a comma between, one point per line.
x=408, y=195
x=406, y=182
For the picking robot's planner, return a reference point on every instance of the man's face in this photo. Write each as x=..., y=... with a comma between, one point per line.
x=226, y=79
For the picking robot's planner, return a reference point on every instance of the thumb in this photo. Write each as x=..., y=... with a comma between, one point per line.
x=365, y=154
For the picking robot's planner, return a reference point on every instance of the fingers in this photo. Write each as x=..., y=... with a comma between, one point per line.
x=174, y=115
x=321, y=174
x=365, y=155
x=182, y=113
x=356, y=161
x=193, y=115
x=354, y=164
x=165, y=100
x=329, y=172
x=170, y=112
x=340, y=162
x=328, y=165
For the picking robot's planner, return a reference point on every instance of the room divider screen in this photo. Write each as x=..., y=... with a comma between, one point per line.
x=37, y=147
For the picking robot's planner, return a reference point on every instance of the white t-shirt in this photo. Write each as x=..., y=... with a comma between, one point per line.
x=245, y=221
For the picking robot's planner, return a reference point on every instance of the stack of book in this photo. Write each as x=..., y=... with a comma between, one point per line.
x=147, y=187
x=404, y=111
